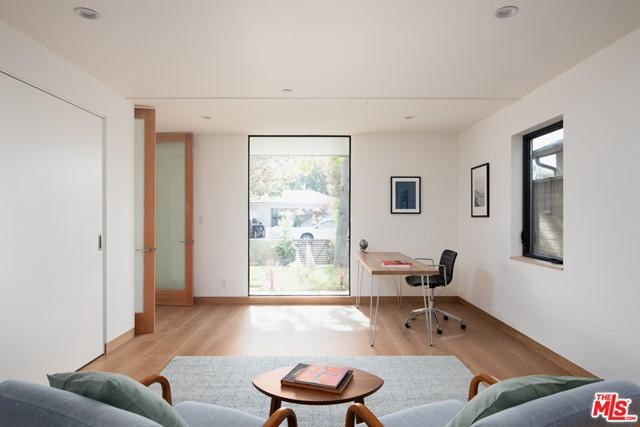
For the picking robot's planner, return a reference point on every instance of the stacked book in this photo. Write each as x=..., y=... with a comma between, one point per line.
x=316, y=377
x=396, y=263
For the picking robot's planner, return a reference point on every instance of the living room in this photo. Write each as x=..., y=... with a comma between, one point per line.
x=203, y=194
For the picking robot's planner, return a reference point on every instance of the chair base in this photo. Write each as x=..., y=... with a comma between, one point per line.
x=433, y=311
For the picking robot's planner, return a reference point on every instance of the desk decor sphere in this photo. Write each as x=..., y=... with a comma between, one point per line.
x=363, y=245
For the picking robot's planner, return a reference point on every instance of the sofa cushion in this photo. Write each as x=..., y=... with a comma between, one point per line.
x=570, y=408
x=26, y=404
x=205, y=415
x=514, y=391
x=119, y=391
x=432, y=415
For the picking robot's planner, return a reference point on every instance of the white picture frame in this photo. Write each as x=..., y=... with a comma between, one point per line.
x=406, y=195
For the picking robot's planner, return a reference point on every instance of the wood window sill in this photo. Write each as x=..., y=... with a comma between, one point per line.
x=538, y=262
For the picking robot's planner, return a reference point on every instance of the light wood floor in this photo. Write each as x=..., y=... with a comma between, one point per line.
x=235, y=329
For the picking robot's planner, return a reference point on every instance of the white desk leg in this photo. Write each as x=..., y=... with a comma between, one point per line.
x=359, y=284
x=398, y=291
x=374, y=317
x=428, y=309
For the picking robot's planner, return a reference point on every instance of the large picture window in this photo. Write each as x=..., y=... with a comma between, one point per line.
x=299, y=215
x=542, y=235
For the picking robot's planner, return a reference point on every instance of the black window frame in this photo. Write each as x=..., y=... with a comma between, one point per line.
x=527, y=183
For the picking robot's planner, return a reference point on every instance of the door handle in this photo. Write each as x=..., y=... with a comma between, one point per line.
x=146, y=250
x=187, y=242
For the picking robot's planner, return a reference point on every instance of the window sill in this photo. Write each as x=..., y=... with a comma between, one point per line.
x=538, y=262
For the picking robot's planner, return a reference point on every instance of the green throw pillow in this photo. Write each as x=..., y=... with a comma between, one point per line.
x=119, y=391
x=512, y=392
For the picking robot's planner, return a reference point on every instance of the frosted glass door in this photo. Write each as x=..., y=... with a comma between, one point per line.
x=174, y=219
x=170, y=216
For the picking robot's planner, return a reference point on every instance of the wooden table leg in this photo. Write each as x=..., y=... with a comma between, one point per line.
x=358, y=419
x=275, y=405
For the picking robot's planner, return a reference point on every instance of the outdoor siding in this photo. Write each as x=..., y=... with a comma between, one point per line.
x=547, y=217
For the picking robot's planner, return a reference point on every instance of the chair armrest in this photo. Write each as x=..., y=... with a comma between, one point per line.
x=480, y=378
x=364, y=415
x=164, y=383
x=279, y=416
x=433, y=263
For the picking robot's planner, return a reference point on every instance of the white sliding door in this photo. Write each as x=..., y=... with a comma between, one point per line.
x=51, y=292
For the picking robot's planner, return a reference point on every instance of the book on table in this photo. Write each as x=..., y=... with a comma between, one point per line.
x=396, y=263
x=333, y=379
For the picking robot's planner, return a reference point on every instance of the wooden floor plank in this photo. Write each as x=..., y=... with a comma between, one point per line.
x=241, y=329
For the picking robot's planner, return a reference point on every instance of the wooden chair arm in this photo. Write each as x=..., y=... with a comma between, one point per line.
x=480, y=378
x=164, y=383
x=279, y=416
x=364, y=415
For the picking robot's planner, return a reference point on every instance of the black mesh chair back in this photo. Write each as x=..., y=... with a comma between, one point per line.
x=447, y=262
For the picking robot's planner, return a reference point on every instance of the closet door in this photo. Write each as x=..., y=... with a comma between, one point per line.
x=51, y=219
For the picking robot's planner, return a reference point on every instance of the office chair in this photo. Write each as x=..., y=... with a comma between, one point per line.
x=447, y=262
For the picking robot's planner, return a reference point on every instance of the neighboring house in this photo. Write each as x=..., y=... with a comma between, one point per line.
x=295, y=203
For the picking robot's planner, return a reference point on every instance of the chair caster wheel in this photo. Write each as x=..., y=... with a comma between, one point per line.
x=445, y=317
x=407, y=324
x=463, y=326
x=439, y=331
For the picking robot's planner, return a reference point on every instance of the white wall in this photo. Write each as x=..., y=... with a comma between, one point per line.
x=220, y=175
x=220, y=207
x=23, y=57
x=588, y=312
x=376, y=158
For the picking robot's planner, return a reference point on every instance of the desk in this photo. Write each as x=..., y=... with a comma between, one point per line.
x=371, y=262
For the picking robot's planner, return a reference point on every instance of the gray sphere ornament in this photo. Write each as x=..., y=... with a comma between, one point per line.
x=363, y=245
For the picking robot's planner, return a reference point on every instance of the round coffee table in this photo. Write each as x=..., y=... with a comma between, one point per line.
x=361, y=385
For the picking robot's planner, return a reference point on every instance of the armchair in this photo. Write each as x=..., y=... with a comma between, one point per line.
x=568, y=407
x=438, y=413
x=202, y=414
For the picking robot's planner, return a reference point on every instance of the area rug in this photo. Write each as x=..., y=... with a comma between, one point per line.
x=408, y=381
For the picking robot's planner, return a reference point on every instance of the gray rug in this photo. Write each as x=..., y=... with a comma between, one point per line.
x=408, y=381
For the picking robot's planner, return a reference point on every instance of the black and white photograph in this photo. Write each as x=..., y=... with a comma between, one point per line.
x=480, y=191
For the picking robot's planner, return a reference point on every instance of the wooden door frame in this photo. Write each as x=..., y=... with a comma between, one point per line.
x=182, y=297
x=145, y=321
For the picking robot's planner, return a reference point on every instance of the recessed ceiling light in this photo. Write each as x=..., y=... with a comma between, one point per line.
x=287, y=91
x=506, y=11
x=206, y=117
x=86, y=13
x=409, y=117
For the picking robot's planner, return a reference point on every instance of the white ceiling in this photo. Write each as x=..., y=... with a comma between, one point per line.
x=355, y=66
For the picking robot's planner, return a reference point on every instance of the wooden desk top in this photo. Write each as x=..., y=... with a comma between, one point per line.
x=361, y=385
x=372, y=261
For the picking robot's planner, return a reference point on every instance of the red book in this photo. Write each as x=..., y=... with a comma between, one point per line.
x=327, y=378
x=396, y=263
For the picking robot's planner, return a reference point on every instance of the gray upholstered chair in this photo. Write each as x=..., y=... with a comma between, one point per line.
x=571, y=408
x=27, y=404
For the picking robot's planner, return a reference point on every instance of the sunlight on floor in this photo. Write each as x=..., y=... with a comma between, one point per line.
x=306, y=318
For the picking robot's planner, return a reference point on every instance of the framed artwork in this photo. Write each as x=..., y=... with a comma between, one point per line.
x=480, y=191
x=405, y=195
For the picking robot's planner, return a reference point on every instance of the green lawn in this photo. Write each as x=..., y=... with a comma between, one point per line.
x=299, y=277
